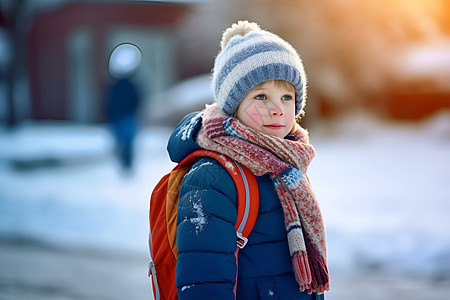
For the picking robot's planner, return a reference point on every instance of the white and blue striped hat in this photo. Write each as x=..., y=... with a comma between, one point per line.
x=251, y=56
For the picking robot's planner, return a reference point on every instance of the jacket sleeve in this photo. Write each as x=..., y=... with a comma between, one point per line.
x=206, y=238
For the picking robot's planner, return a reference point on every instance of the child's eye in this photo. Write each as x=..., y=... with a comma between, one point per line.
x=287, y=97
x=261, y=97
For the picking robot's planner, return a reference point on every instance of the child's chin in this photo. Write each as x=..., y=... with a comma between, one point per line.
x=277, y=133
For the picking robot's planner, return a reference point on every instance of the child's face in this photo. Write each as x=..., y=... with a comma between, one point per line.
x=269, y=108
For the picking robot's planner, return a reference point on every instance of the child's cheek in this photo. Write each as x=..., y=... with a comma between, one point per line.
x=251, y=115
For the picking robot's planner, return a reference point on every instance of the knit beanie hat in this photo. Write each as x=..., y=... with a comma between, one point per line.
x=251, y=56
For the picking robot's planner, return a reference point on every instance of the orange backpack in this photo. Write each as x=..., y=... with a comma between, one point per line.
x=163, y=218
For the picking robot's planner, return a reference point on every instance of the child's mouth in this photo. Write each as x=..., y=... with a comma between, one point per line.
x=274, y=126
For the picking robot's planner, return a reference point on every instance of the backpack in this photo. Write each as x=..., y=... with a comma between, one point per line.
x=163, y=218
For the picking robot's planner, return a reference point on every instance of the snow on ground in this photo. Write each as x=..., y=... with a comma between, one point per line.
x=385, y=194
x=383, y=188
x=82, y=198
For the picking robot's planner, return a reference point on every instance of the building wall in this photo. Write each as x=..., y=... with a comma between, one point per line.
x=69, y=47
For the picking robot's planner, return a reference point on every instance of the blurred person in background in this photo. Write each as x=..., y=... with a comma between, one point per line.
x=122, y=101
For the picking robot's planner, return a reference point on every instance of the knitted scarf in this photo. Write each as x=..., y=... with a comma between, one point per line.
x=286, y=161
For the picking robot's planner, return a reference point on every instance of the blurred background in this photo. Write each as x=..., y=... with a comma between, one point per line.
x=90, y=91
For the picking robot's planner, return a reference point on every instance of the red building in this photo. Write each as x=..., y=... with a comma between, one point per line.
x=69, y=46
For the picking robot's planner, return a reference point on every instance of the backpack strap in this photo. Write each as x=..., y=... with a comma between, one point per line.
x=248, y=209
x=246, y=187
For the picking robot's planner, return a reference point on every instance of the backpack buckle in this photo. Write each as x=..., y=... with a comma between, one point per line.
x=241, y=240
x=151, y=268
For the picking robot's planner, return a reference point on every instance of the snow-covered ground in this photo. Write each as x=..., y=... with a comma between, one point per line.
x=385, y=194
x=383, y=188
x=61, y=184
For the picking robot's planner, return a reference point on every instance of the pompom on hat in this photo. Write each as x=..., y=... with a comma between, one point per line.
x=251, y=56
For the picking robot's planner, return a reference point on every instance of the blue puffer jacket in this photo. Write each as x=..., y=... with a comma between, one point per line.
x=206, y=238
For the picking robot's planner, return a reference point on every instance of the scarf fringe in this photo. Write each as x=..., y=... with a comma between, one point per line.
x=319, y=270
x=319, y=283
x=302, y=270
x=316, y=281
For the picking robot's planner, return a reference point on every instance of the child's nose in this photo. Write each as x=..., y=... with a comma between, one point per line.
x=276, y=109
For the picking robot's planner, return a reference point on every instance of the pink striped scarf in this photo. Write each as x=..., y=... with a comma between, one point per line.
x=286, y=161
